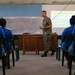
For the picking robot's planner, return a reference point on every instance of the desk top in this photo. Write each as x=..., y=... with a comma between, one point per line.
x=33, y=34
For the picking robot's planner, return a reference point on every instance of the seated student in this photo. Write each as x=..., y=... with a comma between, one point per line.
x=6, y=31
x=2, y=36
x=71, y=46
x=66, y=33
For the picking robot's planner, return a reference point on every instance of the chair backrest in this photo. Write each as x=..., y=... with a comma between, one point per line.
x=0, y=51
x=8, y=39
x=59, y=40
x=73, y=51
x=16, y=38
x=68, y=42
x=68, y=38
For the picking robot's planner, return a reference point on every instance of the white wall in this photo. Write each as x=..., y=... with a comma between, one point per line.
x=50, y=8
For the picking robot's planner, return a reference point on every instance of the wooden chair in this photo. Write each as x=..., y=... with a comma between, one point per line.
x=58, y=51
x=2, y=56
x=16, y=46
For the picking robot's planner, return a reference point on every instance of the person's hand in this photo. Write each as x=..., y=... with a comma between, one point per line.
x=42, y=27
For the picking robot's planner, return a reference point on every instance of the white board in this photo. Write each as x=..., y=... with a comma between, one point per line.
x=20, y=25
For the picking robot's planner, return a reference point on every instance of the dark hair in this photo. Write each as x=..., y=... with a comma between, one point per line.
x=72, y=20
x=2, y=22
x=44, y=11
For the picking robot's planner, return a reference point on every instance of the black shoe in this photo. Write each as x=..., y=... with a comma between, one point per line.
x=51, y=54
x=53, y=51
x=44, y=55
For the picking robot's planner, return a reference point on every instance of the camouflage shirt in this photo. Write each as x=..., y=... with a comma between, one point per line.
x=47, y=22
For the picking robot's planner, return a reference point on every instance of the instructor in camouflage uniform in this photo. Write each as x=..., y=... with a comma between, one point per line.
x=47, y=31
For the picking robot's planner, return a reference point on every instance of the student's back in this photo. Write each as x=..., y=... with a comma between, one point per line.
x=7, y=33
x=71, y=46
x=67, y=32
x=2, y=34
x=2, y=37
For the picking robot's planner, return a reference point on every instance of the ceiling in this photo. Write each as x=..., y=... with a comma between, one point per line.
x=37, y=1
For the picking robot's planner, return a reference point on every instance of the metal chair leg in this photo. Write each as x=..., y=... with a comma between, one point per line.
x=3, y=64
x=17, y=54
x=70, y=65
x=62, y=58
x=8, y=61
x=13, y=58
x=59, y=54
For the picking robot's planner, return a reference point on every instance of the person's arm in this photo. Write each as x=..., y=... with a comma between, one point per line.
x=2, y=35
x=47, y=27
x=73, y=32
x=50, y=26
x=10, y=33
x=64, y=35
x=42, y=27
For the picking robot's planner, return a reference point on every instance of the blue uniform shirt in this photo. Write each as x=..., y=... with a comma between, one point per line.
x=67, y=32
x=71, y=46
x=2, y=36
x=7, y=33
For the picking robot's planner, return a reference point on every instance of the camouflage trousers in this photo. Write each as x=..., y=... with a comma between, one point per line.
x=47, y=42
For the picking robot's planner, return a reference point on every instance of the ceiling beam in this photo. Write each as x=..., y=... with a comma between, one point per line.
x=37, y=1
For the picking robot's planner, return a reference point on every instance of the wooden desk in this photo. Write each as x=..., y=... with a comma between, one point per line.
x=34, y=42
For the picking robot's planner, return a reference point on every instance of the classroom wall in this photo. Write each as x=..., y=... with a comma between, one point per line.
x=32, y=10
x=50, y=8
x=14, y=10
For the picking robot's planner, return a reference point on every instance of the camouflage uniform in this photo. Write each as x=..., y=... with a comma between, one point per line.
x=47, y=34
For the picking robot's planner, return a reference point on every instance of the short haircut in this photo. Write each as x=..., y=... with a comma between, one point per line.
x=2, y=22
x=44, y=11
x=72, y=20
